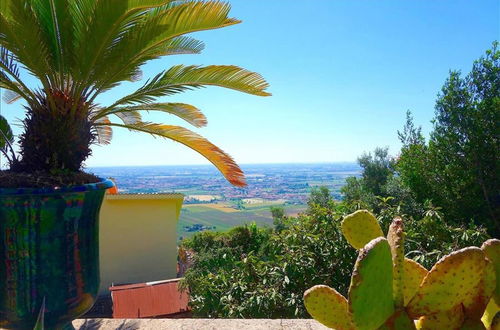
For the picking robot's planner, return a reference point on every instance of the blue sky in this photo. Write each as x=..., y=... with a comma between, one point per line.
x=342, y=74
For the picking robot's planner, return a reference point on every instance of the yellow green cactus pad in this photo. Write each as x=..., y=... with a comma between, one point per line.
x=395, y=237
x=475, y=304
x=492, y=250
x=370, y=294
x=449, y=282
x=328, y=307
x=491, y=310
x=451, y=319
x=414, y=274
x=361, y=227
x=398, y=321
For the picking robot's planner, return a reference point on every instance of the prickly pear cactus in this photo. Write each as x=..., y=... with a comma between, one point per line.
x=450, y=319
x=328, y=307
x=414, y=274
x=474, y=305
x=395, y=237
x=399, y=321
x=492, y=250
x=391, y=292
x=450, y=281
x=360, y=228
x=491, y=310
x=370, y=294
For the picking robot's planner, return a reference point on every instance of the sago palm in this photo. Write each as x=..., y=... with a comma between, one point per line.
x=79, y=49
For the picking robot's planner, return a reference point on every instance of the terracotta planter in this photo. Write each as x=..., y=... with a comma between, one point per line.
x=49, y=249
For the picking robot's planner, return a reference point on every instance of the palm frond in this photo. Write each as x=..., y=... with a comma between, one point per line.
x=10, y=96
x=187, y=112
x=129, y=117
x=180, y=78
x=6, y=135
x=192, y=16
x=211, y=152
x=106, y=26
x=56, y=22
x=104, y=132
x=6, y=140
x=8, y=67
x=176, y=46
x=5, y=8
x=149, y=37
x=119, y=68
x=21, y=36
x=13, y=90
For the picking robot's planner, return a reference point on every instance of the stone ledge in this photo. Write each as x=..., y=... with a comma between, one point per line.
x=197, y=324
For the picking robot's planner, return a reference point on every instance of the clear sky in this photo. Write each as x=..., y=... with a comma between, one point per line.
x=342, y=74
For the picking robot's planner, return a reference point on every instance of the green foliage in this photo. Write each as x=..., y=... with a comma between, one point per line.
x=458, y=168
x=265, y=273
x=377, y=168
x=464, y=278
x=79, y=49
x=378, y=182
x=262, y=273
x=6, y=141
x=279, y=218
x=429, y=239
x=320, y=196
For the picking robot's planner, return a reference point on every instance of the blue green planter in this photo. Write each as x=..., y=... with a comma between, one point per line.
x=49, y=249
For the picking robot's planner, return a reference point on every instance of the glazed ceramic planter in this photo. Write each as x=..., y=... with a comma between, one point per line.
x=49, y=251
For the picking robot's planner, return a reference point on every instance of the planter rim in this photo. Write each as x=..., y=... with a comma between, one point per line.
x=101, y=185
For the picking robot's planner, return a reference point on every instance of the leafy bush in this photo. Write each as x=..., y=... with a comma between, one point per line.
x=253, y=272
x=262, y=273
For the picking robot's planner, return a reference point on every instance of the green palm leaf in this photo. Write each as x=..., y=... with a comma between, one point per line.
x=184, y=111
x=6, y=135
x=21, y=35
x=147, y=39
x=78, y=49
x=214, y=154
x=180, y=78
x=106, y=24
x=10, y=68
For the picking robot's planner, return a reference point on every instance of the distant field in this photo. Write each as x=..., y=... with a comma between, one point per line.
x=204, y=198
x=224, y=217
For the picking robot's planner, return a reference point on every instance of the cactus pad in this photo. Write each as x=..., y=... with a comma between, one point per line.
x=414, y=274
x=490, y=312
x=328, y=307
x=395, y=237
x=474, y=305
x=370, y=294
x=360, y=227
x=399, y=321
x=492, y=250
x=449, y=282
x=451, y=319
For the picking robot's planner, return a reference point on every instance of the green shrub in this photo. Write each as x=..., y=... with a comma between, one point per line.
x=252, y=272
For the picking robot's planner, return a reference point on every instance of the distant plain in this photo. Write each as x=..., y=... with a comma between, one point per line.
x=211, y=203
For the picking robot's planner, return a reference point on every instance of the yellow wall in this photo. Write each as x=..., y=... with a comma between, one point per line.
x=138, y=238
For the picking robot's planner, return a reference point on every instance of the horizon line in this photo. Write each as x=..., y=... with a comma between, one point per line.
x=242, y=164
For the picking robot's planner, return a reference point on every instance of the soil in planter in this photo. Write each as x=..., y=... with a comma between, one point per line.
x=9, y=179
